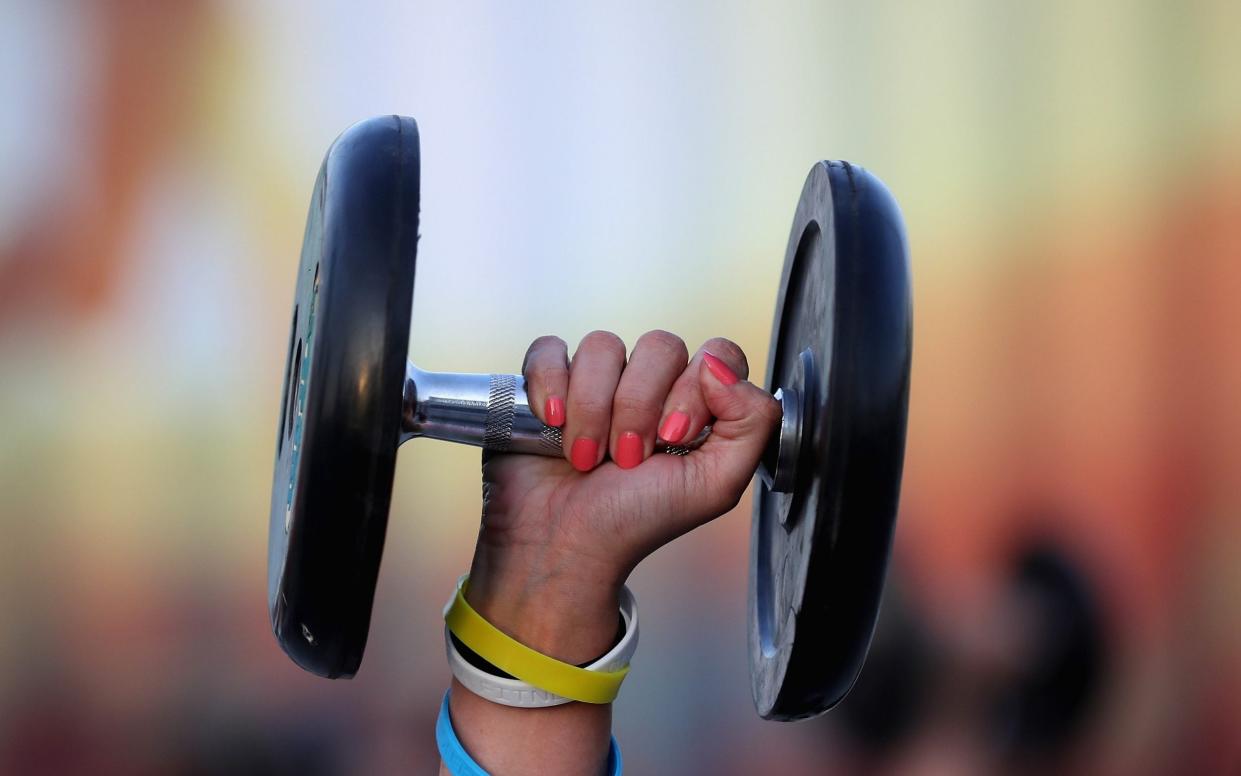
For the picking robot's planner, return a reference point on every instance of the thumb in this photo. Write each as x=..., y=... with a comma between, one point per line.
x=746, y=417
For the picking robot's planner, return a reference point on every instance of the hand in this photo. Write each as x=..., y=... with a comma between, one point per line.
x=559, y=537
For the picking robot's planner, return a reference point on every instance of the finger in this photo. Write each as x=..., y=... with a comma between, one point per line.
x=546, y=370
x=657, y=360
x=685, y=411
x=745, y=418
x=593, y=375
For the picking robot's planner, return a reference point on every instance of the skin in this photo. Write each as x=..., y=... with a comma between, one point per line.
x=557, y=543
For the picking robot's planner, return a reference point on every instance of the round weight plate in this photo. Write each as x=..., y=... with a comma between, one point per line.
x=341, y=407
x=842, y=336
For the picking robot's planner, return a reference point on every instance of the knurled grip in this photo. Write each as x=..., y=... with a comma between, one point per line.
x=511, y=426
x=498, y=433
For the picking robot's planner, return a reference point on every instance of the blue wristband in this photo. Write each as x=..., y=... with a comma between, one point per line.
x=459, y=762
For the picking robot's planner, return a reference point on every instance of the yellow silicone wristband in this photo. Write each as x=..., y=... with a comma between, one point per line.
x=511, y=656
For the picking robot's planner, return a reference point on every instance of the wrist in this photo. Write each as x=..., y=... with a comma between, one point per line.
x=560, y=606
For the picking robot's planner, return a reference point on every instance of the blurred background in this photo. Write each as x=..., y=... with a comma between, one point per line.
x=1066, y=587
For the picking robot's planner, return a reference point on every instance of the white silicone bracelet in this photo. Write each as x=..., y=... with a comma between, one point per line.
x=514, y=692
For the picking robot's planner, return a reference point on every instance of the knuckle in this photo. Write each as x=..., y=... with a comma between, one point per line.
x=591, y=408
x=536, y=358
x=548, y=342
x=604, y=341
x=549, y=379
x=730, y=351
x=665, y=341
x=547, y=369
x=635, y=406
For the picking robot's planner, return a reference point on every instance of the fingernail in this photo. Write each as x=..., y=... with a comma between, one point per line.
x=584, y=454
x=674, y=427
x=719, y=369
x=553, y=410
x=628, y=450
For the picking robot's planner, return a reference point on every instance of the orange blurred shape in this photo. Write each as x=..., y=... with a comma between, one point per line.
x=67, y=259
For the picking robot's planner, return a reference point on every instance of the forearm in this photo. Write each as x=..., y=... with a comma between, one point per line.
x=570, y=739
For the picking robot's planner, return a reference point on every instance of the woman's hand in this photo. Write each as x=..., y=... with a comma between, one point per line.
x=559, y=537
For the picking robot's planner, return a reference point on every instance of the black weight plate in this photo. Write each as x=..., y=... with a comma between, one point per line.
x=341, y=408
x=842, y=335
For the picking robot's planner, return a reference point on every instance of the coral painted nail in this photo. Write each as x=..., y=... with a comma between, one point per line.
x=584, y=454
x=553, y=410
x=674, y=427
x=719, y=369
x=628, y=450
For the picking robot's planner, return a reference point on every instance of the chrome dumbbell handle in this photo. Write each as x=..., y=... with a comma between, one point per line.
x=492, y=411
x=488, y=411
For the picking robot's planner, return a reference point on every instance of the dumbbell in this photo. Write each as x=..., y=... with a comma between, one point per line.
x=825, y=509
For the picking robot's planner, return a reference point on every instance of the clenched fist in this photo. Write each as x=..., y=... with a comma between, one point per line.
x=559, y=537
